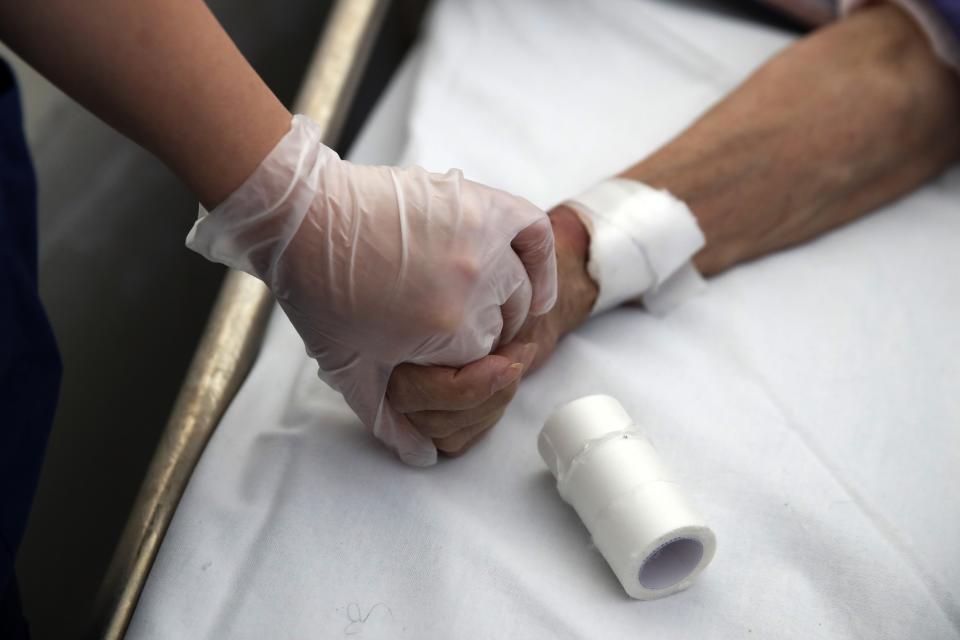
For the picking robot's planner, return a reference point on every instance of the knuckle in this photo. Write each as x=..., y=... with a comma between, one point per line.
x=444, y=318
x=469, y=267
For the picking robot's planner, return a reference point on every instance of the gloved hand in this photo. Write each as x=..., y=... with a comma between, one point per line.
x=376, y=266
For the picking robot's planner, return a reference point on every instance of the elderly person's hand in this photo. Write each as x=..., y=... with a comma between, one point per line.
x=455, y=407
x=848, y=118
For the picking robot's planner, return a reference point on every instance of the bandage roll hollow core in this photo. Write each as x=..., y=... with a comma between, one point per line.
x=640, y=520
x=641, y=243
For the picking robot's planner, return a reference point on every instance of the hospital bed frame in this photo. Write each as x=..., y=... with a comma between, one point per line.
x=232, y=337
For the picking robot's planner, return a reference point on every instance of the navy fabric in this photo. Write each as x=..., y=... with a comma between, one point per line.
x=29, y=361
x=950, y=12
x=13, y=626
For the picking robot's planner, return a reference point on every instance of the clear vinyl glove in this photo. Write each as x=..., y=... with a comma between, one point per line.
x=376, y=266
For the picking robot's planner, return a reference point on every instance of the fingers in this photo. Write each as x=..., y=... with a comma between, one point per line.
x=460, y=442
x=424, y=388
x=455, y=407
x=534, y=246
x=444, y=424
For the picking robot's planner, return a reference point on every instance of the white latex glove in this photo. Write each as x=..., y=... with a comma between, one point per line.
x=376, y=266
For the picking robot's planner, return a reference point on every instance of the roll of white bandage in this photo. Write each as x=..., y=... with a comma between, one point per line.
x=640, y=520
x=641, y=243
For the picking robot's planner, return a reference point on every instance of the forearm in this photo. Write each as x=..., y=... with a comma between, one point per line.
x=849, y=118
x=163, y=73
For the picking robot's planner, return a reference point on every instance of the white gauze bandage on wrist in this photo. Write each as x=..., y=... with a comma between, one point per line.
x=641, y=243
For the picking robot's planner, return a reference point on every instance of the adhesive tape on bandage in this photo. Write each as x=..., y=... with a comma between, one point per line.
x=641, y=242
x=640, y=520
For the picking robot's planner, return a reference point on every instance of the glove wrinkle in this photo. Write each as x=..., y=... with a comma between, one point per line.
x=376, y=266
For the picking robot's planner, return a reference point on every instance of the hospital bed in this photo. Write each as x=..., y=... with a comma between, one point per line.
x=232, y=336
x=810, y=401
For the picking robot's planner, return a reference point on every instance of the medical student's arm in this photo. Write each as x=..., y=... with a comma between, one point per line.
x=374, y=266
x=163, y=73
x=851, y=117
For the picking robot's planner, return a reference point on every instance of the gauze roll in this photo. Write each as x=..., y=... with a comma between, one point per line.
x=640, y=520
x=641, y=243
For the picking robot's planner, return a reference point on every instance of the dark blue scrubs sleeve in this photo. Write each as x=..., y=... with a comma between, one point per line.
x=950, y=12
x=29, y=361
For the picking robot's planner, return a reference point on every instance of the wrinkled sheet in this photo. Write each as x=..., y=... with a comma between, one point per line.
x=809, y=402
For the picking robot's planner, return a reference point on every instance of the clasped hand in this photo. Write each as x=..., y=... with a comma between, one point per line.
x=455, y=407
x=376, y=266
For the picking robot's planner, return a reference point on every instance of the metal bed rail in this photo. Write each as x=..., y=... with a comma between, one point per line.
x=231, y=339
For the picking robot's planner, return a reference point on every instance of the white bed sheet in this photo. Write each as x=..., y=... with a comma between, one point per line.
x=810, y=401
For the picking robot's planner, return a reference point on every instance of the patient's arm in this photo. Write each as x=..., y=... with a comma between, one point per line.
x=852, y=116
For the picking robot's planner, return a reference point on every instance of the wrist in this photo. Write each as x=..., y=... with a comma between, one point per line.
x=234, y=152
x=258, y=222
x=577, y=290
